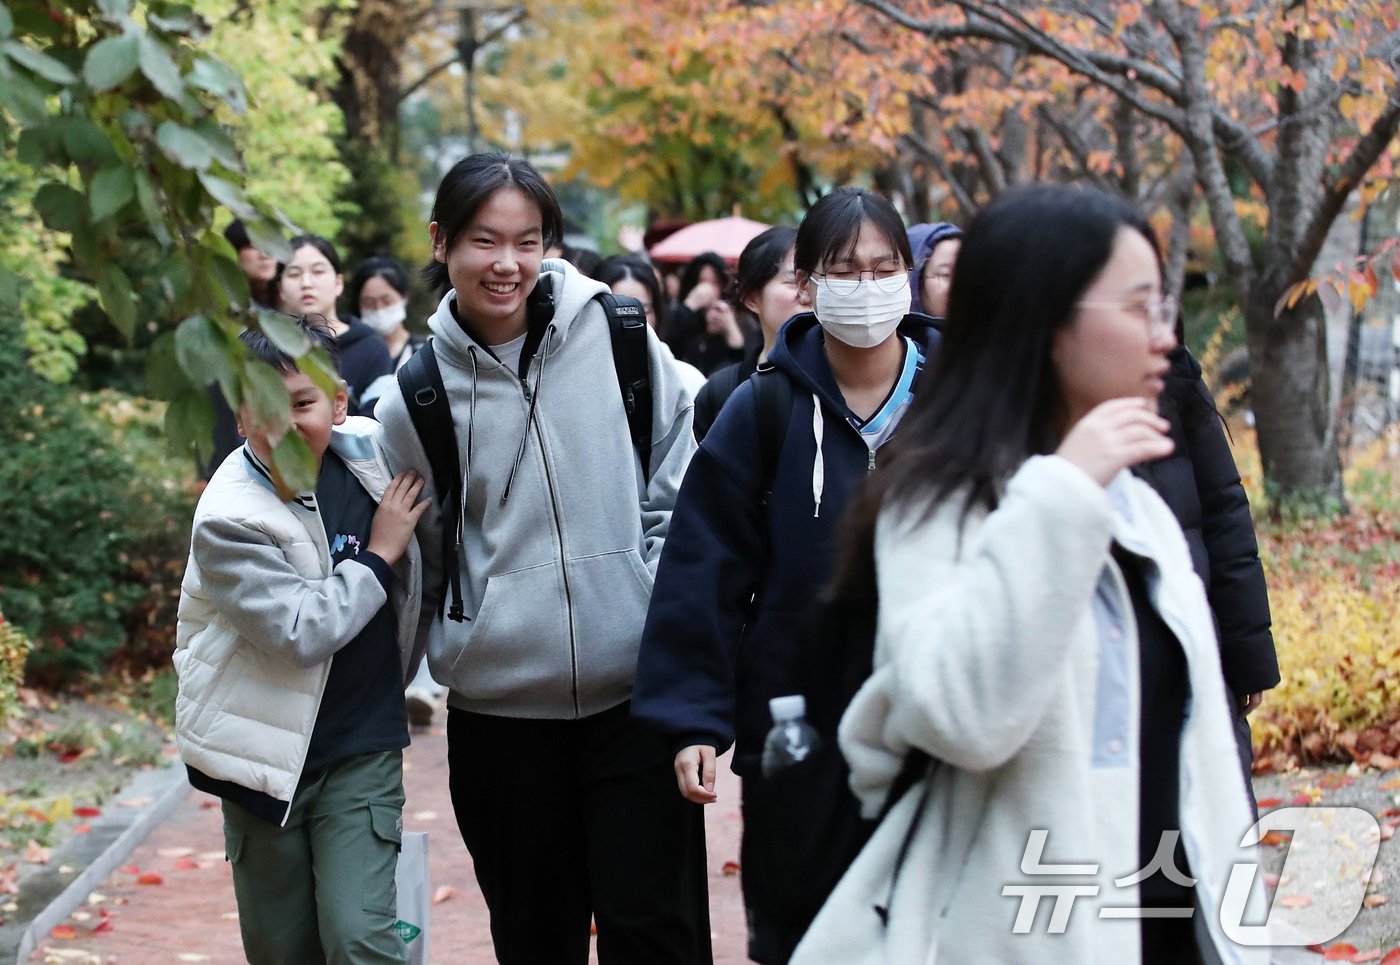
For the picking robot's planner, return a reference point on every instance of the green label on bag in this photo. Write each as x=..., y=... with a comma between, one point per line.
x=406, y=931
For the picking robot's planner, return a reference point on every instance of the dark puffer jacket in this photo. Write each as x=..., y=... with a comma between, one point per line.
x=1200, y=483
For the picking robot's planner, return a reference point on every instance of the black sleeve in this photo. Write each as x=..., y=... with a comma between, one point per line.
x=1237, y=591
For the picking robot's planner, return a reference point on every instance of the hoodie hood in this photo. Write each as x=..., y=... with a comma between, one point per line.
x=560, y=286
x=798, y=352
x=923, y=238
x=357, y=332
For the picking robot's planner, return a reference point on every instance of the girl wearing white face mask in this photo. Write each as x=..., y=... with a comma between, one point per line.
x=750, y=550
x=380, y=289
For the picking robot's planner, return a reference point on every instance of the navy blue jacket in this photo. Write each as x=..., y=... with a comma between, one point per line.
x=739, y=582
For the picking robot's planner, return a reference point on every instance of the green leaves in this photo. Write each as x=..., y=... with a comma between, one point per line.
x=39, y=63
x=160, y=69
x=284, y=332
x=118, y=301
x=60, y=206
x=202, y=350
x=111, y=61
x=217, y=78
x=110, y=191
x=185, y=147
x=265, y=394
x=297, y=464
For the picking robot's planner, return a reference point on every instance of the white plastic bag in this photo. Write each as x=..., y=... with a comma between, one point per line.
x=411, y=880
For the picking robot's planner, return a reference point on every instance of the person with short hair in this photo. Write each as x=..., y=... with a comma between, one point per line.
x=294, y=638
x=533, y=612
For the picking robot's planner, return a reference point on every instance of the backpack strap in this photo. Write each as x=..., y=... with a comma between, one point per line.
x=627, y=326
x=420, y=381
x=773, y=400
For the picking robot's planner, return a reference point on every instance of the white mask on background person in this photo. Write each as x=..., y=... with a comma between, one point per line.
x=385, y=320
x=865, y=317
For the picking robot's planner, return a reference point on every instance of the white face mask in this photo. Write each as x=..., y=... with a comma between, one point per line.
x=865, y=317
x=385, y=320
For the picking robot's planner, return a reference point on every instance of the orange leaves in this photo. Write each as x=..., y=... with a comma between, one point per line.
x=149, y=878
x=63, y=931
x=730, y=868
x=1340, y=952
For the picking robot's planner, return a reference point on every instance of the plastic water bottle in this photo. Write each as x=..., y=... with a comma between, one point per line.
x=792, y=740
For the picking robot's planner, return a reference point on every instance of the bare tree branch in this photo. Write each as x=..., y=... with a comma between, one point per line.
x=965, y=201
x=426, y=77
x=1365, y=154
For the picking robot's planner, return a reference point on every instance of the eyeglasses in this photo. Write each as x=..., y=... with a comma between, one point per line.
x=1157, y=312
x=888, y=276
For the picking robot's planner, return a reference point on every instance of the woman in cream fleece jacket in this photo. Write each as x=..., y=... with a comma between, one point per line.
x=1041, y=636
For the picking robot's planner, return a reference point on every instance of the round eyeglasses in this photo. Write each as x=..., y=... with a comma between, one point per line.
x=888, y=276
x=1158, y=312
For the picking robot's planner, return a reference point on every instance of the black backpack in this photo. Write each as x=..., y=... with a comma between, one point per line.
x=424, y=396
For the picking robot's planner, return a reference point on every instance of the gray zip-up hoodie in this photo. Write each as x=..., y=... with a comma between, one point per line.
x=560, y=532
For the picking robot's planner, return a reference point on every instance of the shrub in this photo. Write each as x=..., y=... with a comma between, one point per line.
x=14, y=648
x=94, y=517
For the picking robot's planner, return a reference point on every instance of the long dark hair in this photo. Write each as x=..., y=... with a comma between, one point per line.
x=470, y=184
x=992, y=398
x=690, y=276
x=395, y=275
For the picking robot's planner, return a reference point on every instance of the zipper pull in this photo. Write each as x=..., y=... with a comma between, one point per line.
x=870, y=466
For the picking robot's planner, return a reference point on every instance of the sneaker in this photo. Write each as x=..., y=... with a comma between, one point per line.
x=420, y=706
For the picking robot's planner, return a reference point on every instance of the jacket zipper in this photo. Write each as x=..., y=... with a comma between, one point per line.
x=870, y=466
x=563, y=563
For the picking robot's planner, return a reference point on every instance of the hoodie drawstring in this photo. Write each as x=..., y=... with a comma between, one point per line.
x=542, y=354
x=819, y=464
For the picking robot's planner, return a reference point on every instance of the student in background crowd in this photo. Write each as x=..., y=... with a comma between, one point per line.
x=633, y=276
x=935, y=249
x=310, y=284
x=767, y=289
x=702, y=327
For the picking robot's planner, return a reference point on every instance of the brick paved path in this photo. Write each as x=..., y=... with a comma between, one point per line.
x=191, y=915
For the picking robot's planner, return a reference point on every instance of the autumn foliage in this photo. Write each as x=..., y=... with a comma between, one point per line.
x=1333, y=587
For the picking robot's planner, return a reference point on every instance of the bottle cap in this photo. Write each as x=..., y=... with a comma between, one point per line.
x=788, y=708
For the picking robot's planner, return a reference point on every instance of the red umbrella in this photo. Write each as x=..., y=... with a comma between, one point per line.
x=726, y=237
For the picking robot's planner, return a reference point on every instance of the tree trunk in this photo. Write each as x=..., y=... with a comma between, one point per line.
x=1289, y=395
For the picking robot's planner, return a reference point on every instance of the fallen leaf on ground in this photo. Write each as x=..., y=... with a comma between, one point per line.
x=81, y=828
x=1374, y=901
x=135, y=802
x=443, y=893
x=96, y=899
x=1340, y=952
x=187, y=864
x=35, y=853
x=1391, y=785
x=63, y=931
x=1370, y=956
x=150, y=878
x=211, y=856
x=175, y=852
x=209, y=803
x=1273, y=839
x=80, y=916
x=1270, y=802
x=88, y=812
x=131, y=869
x=730, y=869
x=104, y=925
x=1392, y=957
x=1295, y=901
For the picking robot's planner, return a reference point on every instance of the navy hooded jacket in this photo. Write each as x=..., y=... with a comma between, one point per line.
x=923, y=238
x=729, y=625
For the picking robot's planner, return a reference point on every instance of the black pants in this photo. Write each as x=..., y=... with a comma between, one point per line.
x=571, y=819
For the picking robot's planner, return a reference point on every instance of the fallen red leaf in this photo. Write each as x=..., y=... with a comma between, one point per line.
x=1295, y=901
x=81, y=828
x=211, y=803
x=1370, y=956
x=1340, y=952
x=150, y=878
x=1273, y=839
x=1392, y=957
x=131, y=869
x=68, y=757
x=63, y=931
x=730, y=869
x=88, y=812
x=36, y=815
x=1301, y=801
x=1270, y=802
x=187, y=864
x=1374, y=901
x=104, y=924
